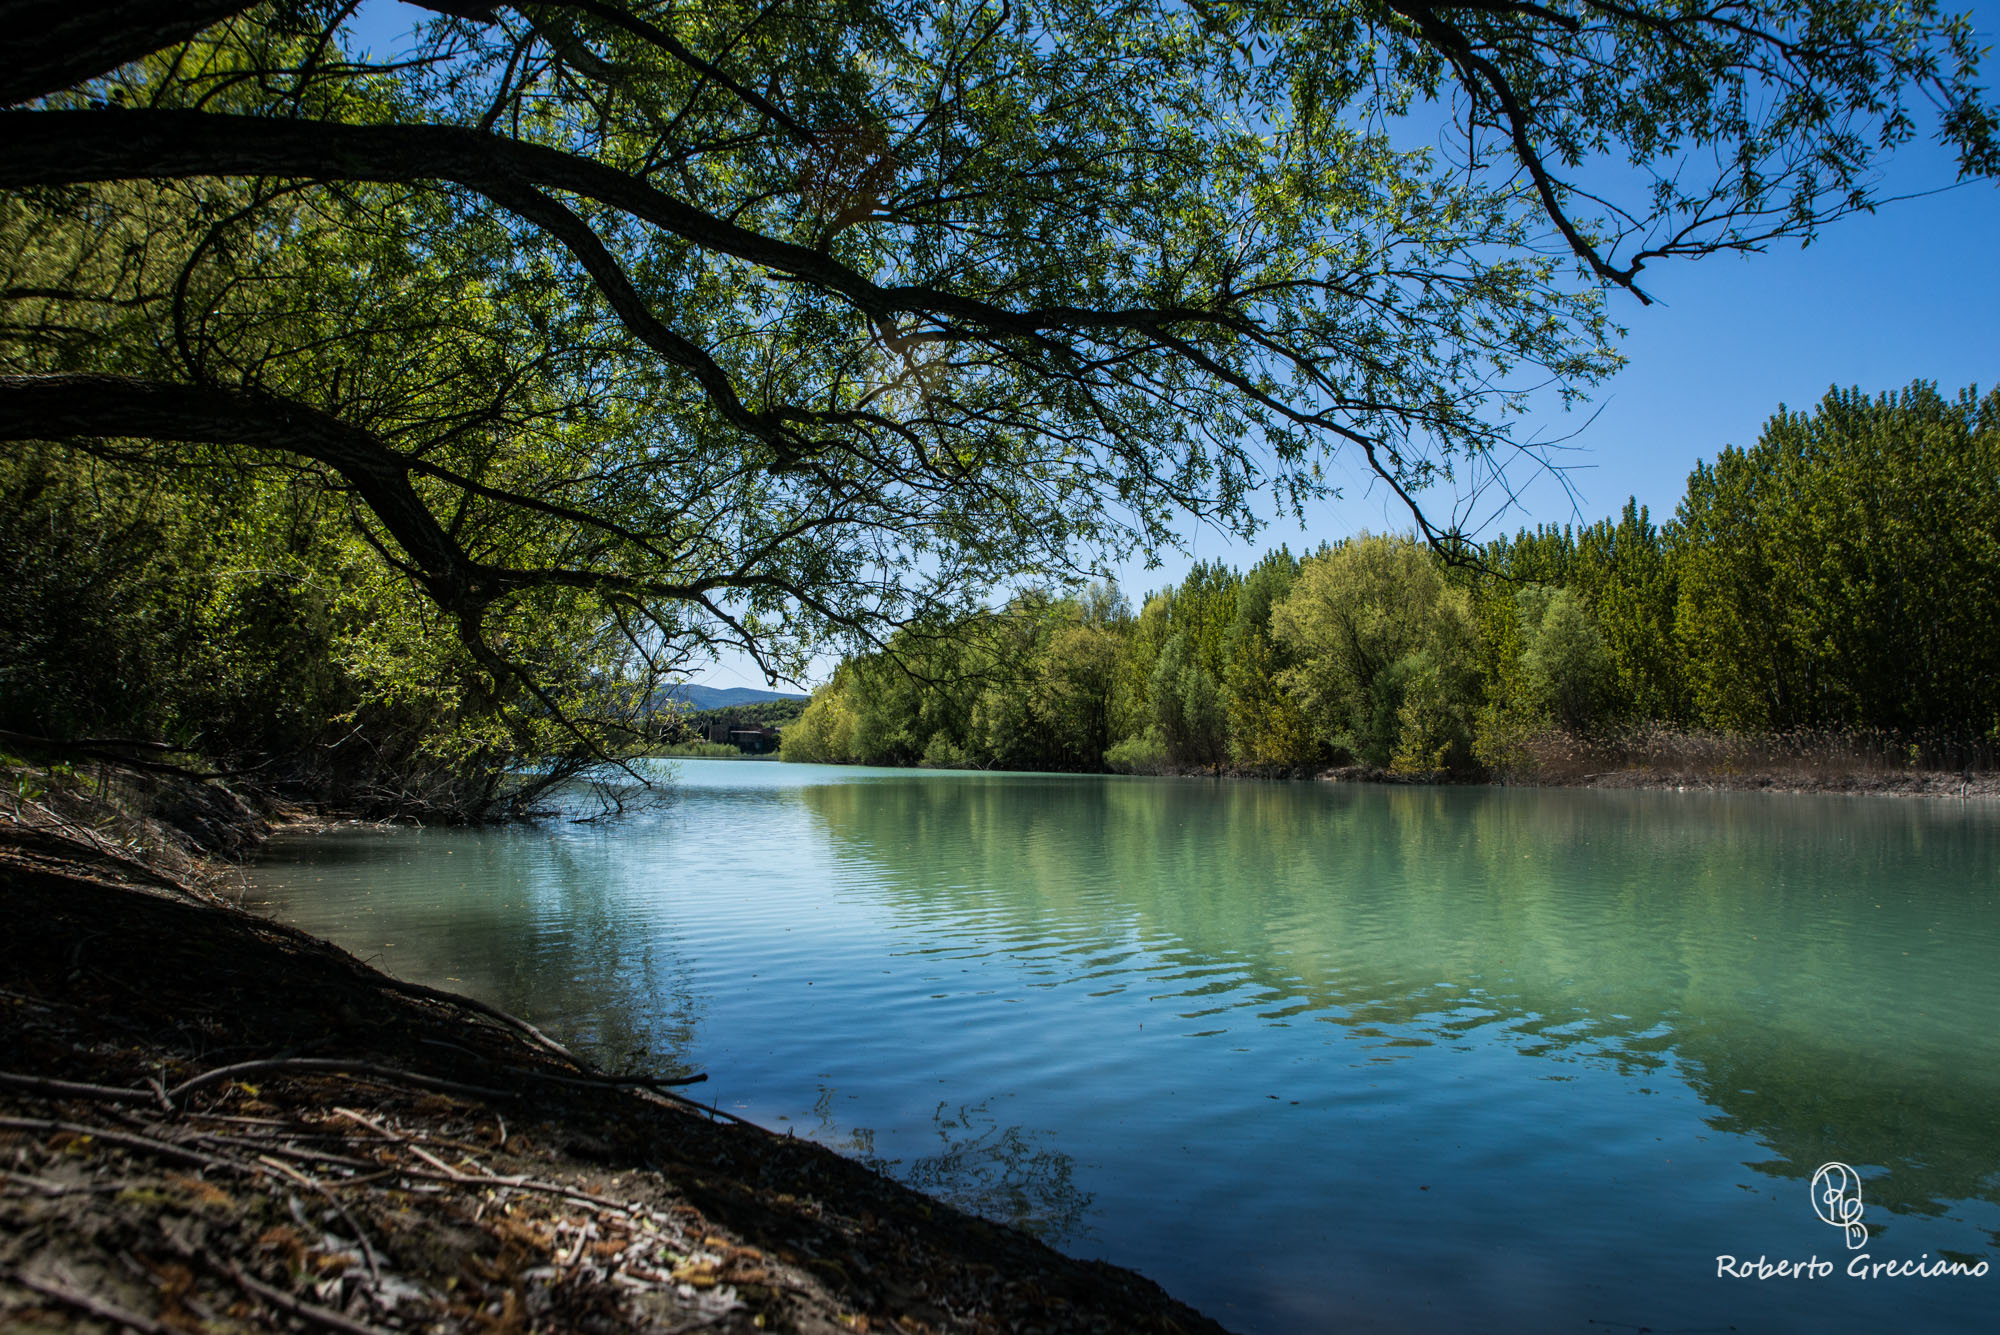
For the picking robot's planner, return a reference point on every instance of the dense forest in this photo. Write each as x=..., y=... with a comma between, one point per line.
x=236, y=619
x=1833, y=588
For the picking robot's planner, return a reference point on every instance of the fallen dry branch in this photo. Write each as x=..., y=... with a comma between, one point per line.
x=72, y=1089
x=96, y=1307
x=113, y=1136
x=624, y=1081
x=40, y=1188
x=320, y=1189
x=330, y=1066
x=477, y=1007
x=563, y=1251
x=298, y=1307
x=444, y=1172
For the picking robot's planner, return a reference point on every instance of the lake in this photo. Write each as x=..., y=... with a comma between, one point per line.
x=1312, y=1056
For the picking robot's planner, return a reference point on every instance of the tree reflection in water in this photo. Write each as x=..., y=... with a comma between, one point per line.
x=1815, y=969
x=997, y=1172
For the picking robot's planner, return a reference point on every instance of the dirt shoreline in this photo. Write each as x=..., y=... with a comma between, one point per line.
x=1973, y=787
x=1860, y=783
x=387, y=1158
x=1921, y=783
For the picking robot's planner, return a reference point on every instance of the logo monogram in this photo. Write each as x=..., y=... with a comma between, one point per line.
x=1836, y=1198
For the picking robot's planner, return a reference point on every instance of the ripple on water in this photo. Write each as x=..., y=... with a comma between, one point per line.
x=1491, y=1060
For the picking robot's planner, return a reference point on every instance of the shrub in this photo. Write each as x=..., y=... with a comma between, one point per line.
x=1145, y=753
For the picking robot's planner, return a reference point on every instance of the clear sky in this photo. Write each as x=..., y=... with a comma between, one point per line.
x=1910, y=292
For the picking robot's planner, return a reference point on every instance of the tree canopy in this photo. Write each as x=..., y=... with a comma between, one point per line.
x=754, y=323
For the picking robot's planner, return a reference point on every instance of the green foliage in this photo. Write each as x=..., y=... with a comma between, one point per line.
x=1030, y=687
x=944, y=753
x=84, y=557
x=1268, y=728
x=413, y=415
x=824, y=733
x=767, y=713
x=709, y=750
x=1628, y=578
x=1188, y=716
x=1566, y=668
x=246, y=623
x=1367, y=621
x=1075, y=683
x=1142, y=753
x=1845, y=570
x=1431, y=727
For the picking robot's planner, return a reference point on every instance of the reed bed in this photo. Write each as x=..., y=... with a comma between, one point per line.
x=1830, y=758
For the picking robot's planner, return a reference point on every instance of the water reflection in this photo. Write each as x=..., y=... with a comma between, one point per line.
x=1005, y=1173
x=1818, y=970
x=527, y=921
x=1291, y=1049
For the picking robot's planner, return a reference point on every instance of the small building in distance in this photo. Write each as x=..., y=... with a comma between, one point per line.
x=751, y=738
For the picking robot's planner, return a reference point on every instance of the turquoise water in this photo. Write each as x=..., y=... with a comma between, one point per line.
x=1312, y=1056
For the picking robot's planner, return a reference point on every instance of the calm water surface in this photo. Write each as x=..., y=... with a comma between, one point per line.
x=1312, y=1056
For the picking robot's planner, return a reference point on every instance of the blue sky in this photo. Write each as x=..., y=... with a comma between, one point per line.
x=1877, y=301
x=1910, y=292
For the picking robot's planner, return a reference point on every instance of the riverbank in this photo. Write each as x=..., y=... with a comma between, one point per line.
x=1800, y=782
x=209, y=1121
x=1982, y=784
x=1864, y=784
x=1817, y=761
x=1661, y=759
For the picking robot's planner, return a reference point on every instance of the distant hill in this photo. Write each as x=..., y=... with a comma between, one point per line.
x=720, y=697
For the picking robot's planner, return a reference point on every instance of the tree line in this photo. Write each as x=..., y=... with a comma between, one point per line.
x=1840, y=575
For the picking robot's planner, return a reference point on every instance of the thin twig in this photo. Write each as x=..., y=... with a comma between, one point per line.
x=96, y=1307
x=522, y=1184
x=124, y=1138
x=36, y=1084
x=298, y=1307
x=514, y=1022
x=623, y=1081
x=331, y=1066
x=314, y=1184
x=52, y=1189
x=590, y=1079
x=683, y=1101
x=446, y=1173
x=298, y=1152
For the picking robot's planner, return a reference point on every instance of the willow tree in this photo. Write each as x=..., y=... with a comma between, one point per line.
x=754, y=322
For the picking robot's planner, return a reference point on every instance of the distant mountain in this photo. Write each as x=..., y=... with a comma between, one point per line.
x=717, y=697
